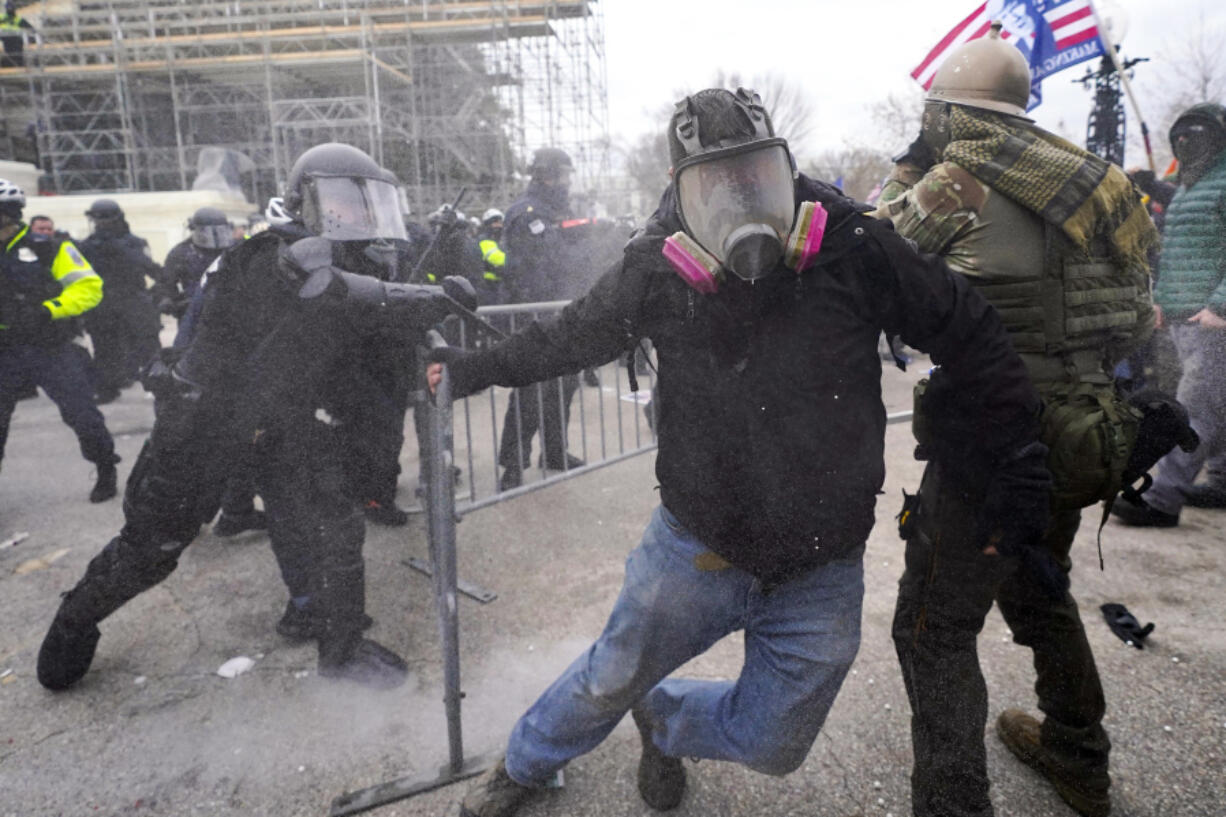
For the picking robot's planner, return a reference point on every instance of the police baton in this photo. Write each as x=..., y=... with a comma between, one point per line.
x=421, y=262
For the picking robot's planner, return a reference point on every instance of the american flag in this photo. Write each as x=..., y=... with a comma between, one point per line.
x=1051, y=34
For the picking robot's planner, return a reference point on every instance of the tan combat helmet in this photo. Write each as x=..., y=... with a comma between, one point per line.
x=984, y=73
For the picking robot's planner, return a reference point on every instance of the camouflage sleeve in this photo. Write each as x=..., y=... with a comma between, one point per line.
x=935, y=209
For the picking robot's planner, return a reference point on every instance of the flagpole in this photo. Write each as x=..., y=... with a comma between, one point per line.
x=1105, y=38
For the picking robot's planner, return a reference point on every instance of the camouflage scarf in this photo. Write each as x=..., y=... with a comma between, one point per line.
x=1083, y=195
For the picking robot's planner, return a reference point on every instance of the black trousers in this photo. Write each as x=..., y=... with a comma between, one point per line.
x=62, y=370
x=177, y=484
x=125, y=338
x=945, y=593
x=541, y=406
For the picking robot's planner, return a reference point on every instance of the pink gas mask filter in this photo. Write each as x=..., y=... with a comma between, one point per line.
x=703, y=271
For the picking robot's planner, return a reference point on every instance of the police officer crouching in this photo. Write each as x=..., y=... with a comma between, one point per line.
x=44, y=282
x=283, y=318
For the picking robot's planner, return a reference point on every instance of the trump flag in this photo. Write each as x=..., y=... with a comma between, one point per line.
x=1051, y=34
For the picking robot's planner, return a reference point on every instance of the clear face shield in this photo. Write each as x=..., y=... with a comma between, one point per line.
x=739, y=204
x=353, y=209
x=213, y=236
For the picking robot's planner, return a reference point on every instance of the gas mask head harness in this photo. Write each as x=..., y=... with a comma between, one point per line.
x=735, y=183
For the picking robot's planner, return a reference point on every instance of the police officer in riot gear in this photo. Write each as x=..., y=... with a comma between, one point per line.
x=44, y=284
x=284, y=316
x=124, y=327
x=764, y=292
x=1057, y=240
x=209, y=234
x=536, y=270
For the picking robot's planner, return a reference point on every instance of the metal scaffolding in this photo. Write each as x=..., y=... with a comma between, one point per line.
x=122, y=95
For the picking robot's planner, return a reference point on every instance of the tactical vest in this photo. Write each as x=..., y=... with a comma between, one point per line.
x=1062, y=313
x=1062, y=308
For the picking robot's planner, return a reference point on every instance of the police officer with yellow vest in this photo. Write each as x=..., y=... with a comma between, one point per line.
x=12, y=36
x=1056, y=239
x=44, y=283
x=488, y=236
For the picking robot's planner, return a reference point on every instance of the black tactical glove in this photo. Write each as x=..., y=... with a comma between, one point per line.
x=918, y=153
x=1015, y=515
x=1125, y=625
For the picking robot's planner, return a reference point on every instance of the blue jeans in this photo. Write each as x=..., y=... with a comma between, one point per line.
x=800, y=640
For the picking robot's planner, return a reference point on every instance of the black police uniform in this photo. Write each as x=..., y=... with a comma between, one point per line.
x=31, y=273
x=252, y=380
x=180, y=276
x=537, y=270
x=124, y=327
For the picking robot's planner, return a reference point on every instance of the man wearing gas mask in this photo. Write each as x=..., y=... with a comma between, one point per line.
x=284, y=317
x=209, y=234
x=1191, y=298
x=1057, y=240
x=764, y=292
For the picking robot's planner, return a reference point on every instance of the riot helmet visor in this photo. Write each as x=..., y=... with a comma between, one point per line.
x=739, y=204
x=352, y=209
x=213, y=236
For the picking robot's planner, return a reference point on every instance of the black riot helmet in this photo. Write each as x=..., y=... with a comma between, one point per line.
x=1198, y=138
x=550, y=164
x=340, y=193
x=105, y=210
x=210, y=229
x=735, y=179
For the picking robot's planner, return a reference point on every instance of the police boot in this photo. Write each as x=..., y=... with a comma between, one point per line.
x=114, y=576
x=343, y=652
x=107, y=484
x=1087, y=792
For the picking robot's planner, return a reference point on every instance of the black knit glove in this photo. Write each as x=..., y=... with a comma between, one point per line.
x=1125, y=625
x=1015, y=515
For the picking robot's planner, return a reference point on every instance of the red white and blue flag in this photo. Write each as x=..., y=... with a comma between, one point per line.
x=1051, y=34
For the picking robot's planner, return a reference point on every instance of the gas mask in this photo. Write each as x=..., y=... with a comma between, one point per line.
x=753, y=247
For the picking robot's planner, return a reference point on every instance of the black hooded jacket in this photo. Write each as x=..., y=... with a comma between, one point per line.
x=771, y=425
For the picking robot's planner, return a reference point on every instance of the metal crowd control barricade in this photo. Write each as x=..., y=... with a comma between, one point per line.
x=619, y=432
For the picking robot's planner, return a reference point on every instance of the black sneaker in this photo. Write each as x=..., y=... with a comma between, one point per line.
x=107, y=484
x=1089, y=795
x=1141, y=515
x=301, y=624
x=495, y=794
x=661, y=778
x=386, y=513
x=233, y=525
x=1206, y=496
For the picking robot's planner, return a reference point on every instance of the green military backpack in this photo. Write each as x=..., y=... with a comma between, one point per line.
x=1090, y=431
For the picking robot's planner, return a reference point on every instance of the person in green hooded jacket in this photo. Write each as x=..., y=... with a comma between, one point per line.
x=1190, y=297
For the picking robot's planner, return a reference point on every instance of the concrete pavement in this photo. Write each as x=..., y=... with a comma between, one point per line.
x=153, y=730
